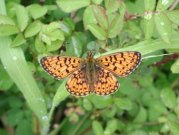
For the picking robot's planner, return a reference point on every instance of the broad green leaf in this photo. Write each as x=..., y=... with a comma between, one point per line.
x=174, y=127
x=115, y=26
x=39, y=46
x=71, y=5
x=112, y=5
x=89, y=17
x=14, y=116
x=22, y=17
x=168, y=97
x=97, y=128
x=100, y=102
x=97, y=2
x=163, y=26
x=33, y=29
x=138, y=132
x=3, y=132
x=123, y=103
x=173, y=16
x=156, y=110
x=19, y=40
x=74, y=46
x=5, y=81
x=14, y=61
x=149, y=5
x=7, y=29
x=24, y=128
x=164, y=4
x=6, y=20
x=101, y=16
x=175, y=67
x=55, y=45
x=60, y=95
x=97, y=31
x=37, y=11
x=116, y=22
x=111, y=127
x=87, y=105
x=148, y=26
x=141, y=116
x=67, y=26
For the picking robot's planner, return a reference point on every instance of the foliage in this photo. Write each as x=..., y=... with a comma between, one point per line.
x=32, y=102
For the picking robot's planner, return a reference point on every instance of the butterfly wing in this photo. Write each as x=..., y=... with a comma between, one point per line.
x=78, y=83
x=120, y=64
x=105, y=83
x=61, y=66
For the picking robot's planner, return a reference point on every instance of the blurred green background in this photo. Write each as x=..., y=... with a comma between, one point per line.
x=34, y=103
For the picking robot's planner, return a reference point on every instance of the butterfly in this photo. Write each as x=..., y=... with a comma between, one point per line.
x=92, y=75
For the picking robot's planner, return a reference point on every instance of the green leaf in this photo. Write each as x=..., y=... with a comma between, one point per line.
x=100, y=102
x=168, y=97
x=141, y=116
x=5, y=81
x=14, y=61
x=87, y=105
x=60, y=95
x=148, y=25
x=164, y=4
x=149, y=5
x=6, y=20
x=116, y=24
x=72, y=5
x=15, y=115
x=175, y=67
x=97, y=128
x=111, y=127
x=74, y=47
x=3, y=132
x=163, y=26
x=39, y=46
x=98, y=32
x=55, y=45
x=24, y=128
x=97, y=2
x=37, y=11
x=89, y=17
x=174, y=127
x=101, y=17
x=138, y=132
x=156, y=109
x=33, y=29
x=19, y=40
x=22, y=17
x=7, y=29
x=173, y=16
x=123, y=103
x=112, y=5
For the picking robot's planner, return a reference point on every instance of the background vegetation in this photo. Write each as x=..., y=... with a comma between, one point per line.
x=32, y=102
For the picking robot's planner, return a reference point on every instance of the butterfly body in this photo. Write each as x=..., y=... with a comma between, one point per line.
x=92, y=75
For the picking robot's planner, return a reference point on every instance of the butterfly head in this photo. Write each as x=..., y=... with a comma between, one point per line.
x=90, y=55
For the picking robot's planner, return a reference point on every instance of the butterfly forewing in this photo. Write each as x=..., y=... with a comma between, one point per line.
x=61, y=66
x=78, y=83
x=105, y=83
x=120, y=64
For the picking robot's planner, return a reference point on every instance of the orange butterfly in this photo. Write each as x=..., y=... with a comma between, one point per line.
x=92, y=75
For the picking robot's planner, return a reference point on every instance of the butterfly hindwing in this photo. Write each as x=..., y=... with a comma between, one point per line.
x=105, y=83
x=78, y=83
